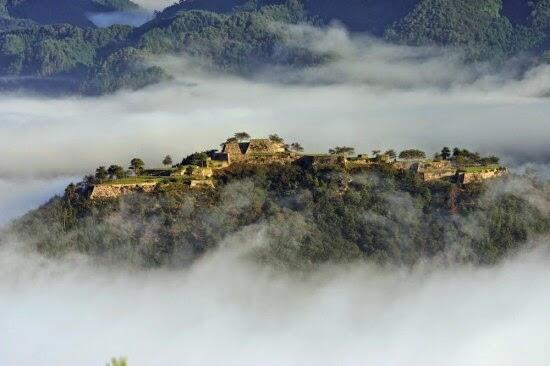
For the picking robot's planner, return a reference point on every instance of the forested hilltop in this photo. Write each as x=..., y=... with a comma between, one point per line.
x=53, y=45
x=299, y=210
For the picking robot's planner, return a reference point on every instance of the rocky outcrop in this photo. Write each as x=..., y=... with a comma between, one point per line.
x=107, y=191
x=201, y=183
x=433, y=175
x=479, y=177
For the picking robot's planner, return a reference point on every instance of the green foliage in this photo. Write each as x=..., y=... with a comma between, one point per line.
x=64, y=11
x=118, y=362
x=136, y=164
x=342, y=150
x=239, y=36
x=124, y=69
x=51, y=50
x=101, y=174
x=198, y=159
x=116, y=172
x=540, y=14
x=475, y=25
x=307, y=218
x=167, y=160
x=412, y=154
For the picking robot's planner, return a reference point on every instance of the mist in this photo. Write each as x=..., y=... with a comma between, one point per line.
x=154, y=4
x=134, y=18
x=372, y=96
x=18, y=196
x=226, y=310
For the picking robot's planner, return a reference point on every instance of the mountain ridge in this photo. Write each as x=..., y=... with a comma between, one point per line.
x=238, y=36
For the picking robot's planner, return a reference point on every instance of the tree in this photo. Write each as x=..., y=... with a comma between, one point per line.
x=167, y=161
x=342, y=150
x=118, y=362
x=101, y=174
x=445, y=153
x=230, y=140
x=296, y=147
x=391, y=154
x=70, y=191
x=90, y=179
x=242, y=136
x=376, y=152
x=198, y=159
x=412, y=154
x=276, y=138
x=136, y=165
x=116, y=171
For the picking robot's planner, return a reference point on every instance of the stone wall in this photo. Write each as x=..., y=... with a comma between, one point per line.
x=106, y=191
x=321, y=161
x=479, y=177
x=201, y=183
x=430, y=176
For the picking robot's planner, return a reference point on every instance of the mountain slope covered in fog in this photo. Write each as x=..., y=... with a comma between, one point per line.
x=305, y=217
x=243, y=36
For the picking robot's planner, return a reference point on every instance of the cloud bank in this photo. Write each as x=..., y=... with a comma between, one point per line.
x=367, y=109
x=225, y=310
x=154, y=4
x=17, y=196
x=133, y=18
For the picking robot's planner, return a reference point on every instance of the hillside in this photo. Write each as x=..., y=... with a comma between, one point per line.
x=61, y=11
x=310, y=209
x=238, y=36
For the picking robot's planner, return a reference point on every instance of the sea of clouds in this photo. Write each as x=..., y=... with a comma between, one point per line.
x=372, y=96
x=225, y=310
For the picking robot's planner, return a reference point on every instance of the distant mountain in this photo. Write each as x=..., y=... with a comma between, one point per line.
x=238, y=36
x=61, y=11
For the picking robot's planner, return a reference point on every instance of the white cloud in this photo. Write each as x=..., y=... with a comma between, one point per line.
x=154, y=4
x=197, y=111
x=223, y=310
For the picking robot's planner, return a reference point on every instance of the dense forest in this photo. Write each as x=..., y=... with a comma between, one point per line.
x=305, y=217
x=54, y=44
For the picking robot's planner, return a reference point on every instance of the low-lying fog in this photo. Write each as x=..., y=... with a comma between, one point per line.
x=19, y=195
x=135, y=18
x=375, y=96
x=225, y=311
